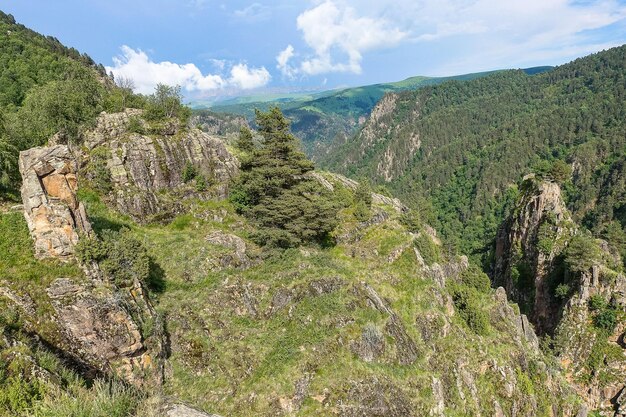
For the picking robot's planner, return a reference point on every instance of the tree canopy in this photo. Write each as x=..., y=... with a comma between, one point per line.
x=288, y=207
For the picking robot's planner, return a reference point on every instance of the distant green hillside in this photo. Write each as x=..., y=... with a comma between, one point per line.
x=329, y=117
x=461, y=147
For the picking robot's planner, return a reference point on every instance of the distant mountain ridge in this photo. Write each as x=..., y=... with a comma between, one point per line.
x=328, y=117
x=458, y=149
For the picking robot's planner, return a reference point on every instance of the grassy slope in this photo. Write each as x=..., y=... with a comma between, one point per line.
x=235, y=355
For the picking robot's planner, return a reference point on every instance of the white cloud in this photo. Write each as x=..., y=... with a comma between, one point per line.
x=146, y=74
x=283, y=59
x=248, y=78
x=253, y=13
x=331, y=30
x=485, y=33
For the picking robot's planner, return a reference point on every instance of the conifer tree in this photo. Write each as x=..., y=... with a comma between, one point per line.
x=273, y=191
x=244, y=142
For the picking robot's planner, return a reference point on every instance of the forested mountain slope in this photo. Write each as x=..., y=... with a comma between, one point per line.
x=458, y=150
x=325, y=120
x=46, y=88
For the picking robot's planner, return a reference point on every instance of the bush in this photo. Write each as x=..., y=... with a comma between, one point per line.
x=606, y=320
x=467, y=303
x=135, y=125
x=201, y=183
x=428, y=249
x=474, y=277
x=189, y=172
x=411, y=220
x=581, y=253
x=597, y=303
x=562, y=291
x=121, y=257
x=363, y=201
x=97, y=170
x=165, y=103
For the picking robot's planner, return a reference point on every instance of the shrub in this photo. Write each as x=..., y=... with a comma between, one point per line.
x=606, y=320
x=411, y=220
x=363, y=200
x=201, y=183
x=135, y=125
x=597, y=303
x=121, y=257
x=562, y=291
x=581, y=253
x=467, y=303
x=97, y=170
x=189, y=172
x=165, y=103
x=428, y=249
x=474, y=277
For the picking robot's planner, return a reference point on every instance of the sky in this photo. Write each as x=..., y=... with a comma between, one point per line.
x=216, y=48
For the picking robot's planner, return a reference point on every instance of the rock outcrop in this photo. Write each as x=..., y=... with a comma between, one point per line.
x=530, y=250
x=54, y=215
x=147, y=172
x=521, y=267
x=108, y=330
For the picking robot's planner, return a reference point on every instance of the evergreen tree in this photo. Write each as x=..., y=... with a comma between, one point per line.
x=363, y=200
x=287, y=207
x=244, y=142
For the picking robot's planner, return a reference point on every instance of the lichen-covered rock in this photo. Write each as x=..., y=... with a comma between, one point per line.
x=54, y=216
x=106, y=329
x=144, y=166
x=235, y=256
x=371, y=345
x=182, y=410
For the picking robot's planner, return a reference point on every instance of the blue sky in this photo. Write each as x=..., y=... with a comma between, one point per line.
x=238, y=47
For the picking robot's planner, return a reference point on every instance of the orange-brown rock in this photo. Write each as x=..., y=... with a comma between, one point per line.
x=54, y=216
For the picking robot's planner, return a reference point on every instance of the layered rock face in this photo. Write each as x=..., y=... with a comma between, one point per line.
x=530, y=247
x=54, y=215
x=517, y=251
x=99, y=325
x=142, y=167
x=105, y=329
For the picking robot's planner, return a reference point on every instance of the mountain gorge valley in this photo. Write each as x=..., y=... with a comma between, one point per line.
x=437, y=247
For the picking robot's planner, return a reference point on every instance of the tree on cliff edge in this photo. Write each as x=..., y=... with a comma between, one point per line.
x=287, y=207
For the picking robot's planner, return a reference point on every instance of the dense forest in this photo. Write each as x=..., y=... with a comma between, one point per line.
x=325, y=119
x=472, y=142
x=47, y=88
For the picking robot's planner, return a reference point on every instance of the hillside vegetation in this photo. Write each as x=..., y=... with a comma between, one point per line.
x=458, y=150
x=325, y=120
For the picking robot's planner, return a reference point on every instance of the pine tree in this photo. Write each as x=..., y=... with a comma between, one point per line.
x=244, y=142
x=287, y=207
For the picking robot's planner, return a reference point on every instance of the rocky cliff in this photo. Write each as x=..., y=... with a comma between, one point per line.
x=566, y=281
x=147, y=170
x=54, y=215
x=522, y=267
x=99, y=325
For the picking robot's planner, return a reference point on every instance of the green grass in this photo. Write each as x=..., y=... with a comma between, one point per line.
x=17, y=259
